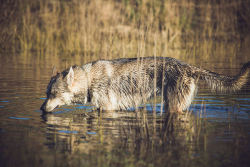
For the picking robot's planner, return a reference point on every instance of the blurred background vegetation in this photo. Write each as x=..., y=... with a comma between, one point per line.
x=191, y=30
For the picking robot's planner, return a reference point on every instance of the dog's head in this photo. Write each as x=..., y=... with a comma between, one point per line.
x=65, y=89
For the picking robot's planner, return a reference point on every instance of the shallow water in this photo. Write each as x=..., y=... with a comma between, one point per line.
x=216, y=132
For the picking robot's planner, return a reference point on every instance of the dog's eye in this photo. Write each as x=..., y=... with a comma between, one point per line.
x=56, y=92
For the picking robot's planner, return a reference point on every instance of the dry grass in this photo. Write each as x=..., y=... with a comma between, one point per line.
x=186, y=30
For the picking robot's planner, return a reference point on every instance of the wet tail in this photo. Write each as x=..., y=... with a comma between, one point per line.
x=222, y=83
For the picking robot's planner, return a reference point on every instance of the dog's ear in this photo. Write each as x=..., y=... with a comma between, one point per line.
x=70, y=77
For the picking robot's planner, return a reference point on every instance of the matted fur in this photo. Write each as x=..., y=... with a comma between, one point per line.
x=124, y=83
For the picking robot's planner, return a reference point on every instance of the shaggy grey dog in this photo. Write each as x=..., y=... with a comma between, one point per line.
x=124, y=83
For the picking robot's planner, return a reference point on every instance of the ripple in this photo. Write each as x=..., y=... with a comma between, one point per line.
x=84, y=107
x=43, y=98
x=68, y=131
x=91, y=133
x=20, y=118
x=62, y=110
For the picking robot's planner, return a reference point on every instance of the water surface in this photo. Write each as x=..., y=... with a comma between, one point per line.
x=216, y=132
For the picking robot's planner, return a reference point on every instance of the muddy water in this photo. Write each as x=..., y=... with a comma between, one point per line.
x=215, y=133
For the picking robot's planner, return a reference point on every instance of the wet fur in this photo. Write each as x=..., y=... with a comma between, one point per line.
x=124, y=83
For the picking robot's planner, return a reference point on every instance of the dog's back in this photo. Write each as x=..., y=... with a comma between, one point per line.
x=131, y=82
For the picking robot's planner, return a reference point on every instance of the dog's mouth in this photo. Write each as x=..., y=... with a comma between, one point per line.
x=51, y=104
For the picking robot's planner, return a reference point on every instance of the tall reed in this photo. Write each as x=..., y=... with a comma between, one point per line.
x=108, y=29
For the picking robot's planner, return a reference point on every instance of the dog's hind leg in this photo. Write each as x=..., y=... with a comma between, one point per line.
x=189, y=94
x=178, y=97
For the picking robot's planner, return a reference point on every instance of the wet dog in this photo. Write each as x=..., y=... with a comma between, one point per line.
x=124, y=83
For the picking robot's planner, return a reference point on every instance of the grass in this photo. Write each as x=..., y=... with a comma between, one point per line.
x=112, y=29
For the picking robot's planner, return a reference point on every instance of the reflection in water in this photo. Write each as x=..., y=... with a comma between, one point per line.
x=123, y=138
x=112, y=127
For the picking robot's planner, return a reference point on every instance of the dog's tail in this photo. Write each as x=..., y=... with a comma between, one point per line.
x=222, y=83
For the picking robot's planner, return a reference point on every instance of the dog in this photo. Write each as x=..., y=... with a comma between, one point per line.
x=125, y=83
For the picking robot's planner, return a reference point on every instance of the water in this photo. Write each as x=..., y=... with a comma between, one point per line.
x=216, y=133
